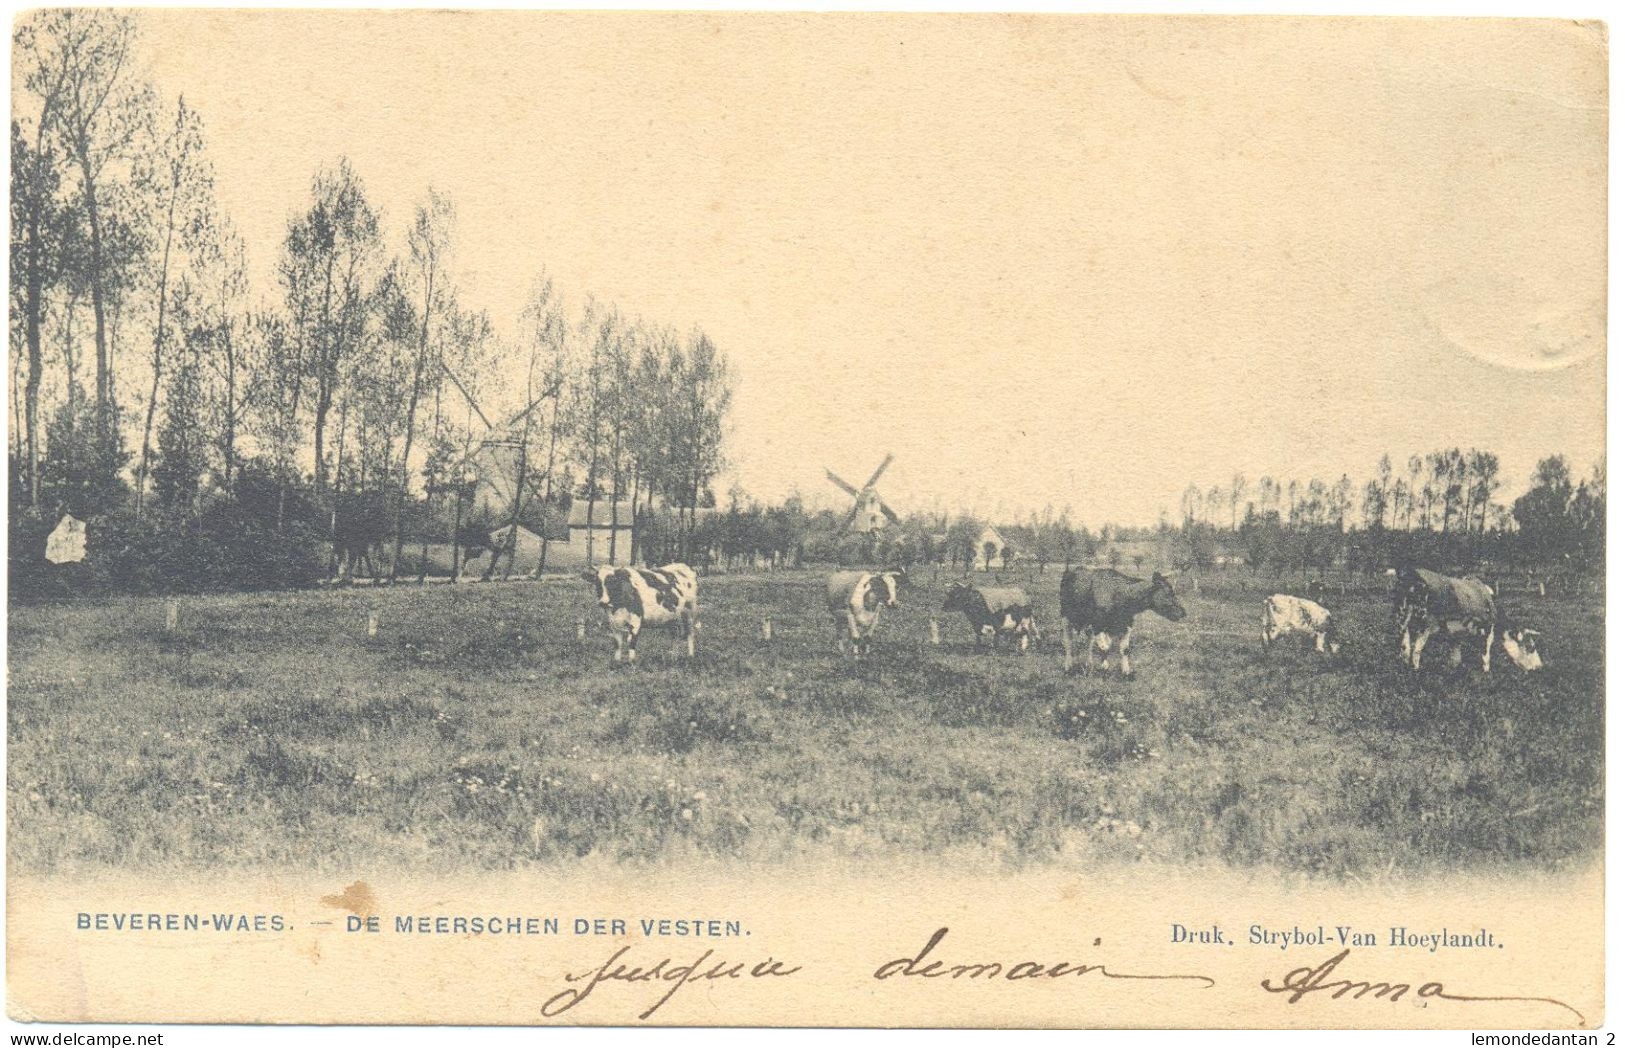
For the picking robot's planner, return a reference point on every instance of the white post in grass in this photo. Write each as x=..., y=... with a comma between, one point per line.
x=372, y=622
x=581, y=629
x=936, y=634
x=767, y=628
x=172, y=616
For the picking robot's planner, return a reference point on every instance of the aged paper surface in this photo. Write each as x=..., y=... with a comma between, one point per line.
x=478, y=614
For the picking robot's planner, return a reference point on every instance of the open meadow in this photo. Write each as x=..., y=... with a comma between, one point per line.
x=475, y=731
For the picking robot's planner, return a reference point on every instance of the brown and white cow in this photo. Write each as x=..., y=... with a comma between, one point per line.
x=639, y=597
x=1286, y=615
x=855, y=599
x=1427, y=604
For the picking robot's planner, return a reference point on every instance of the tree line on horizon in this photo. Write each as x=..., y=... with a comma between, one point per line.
x=1440, y=509
x=218, y=432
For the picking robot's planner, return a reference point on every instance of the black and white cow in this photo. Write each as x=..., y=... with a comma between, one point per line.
x=638, y=597
x=855, y=599
x=1427, y=603
x=994, y=611
x=1101, y=604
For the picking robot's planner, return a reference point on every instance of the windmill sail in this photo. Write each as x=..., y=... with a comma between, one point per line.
x=869, y=512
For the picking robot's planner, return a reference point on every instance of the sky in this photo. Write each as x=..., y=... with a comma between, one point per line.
x=1044, y=260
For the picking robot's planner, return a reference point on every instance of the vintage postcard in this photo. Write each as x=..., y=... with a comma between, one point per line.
x=806, y=519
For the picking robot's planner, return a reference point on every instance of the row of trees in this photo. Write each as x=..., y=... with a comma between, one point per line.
x=1441, y=508
x=1444, y=490
x=359, y=386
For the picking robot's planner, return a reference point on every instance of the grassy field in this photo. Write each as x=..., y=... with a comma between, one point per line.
x=475, y=731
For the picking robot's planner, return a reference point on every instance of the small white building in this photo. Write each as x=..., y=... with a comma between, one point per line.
x=991, y=535
x=603, y=536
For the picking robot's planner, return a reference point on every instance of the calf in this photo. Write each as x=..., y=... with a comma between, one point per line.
x=855, y=599
x=1286, y=615
x=1102, y=604
x=994, y=611
x=1427, y=603
x=1522, y=646
x=636, y=597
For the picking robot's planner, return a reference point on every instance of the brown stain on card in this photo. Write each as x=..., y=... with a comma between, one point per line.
x=357, y=898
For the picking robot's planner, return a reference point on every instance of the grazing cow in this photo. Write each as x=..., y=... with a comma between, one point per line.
x=1102, y=604
x=636, y=597
x=1427, y=603
x=855, y=599
x=1286, y=615
x=994, y=611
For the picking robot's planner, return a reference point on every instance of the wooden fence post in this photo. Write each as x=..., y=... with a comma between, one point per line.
x=372, y=622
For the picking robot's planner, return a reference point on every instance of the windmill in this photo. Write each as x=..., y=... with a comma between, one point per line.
x=869, y=512
x=494, y=474
x=500, y=456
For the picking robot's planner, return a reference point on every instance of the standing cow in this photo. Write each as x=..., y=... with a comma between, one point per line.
x=855, y=599
x=638, y=597
x=1286, y=615
x=994, y=611
x=1101, y=604
x=1427, y=603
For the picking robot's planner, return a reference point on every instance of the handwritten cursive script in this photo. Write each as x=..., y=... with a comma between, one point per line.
x=918, y=966
x=663, y=971
x=1300, y=982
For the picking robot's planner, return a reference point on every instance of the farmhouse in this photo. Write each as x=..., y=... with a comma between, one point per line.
x=990, y=535
x=603, y=536
x=527, y=550
x=527, y=544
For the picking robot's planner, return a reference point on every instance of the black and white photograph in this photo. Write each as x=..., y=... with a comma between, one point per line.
x=1007, y=472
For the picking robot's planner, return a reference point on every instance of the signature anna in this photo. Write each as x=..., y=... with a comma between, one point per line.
x=1301, y=982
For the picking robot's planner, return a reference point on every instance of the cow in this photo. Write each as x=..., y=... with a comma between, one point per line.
x=638, y=597
x=1102, y=604
x=1427, y=603
x=994, y=611
x=1286, y=615
x=855, y=599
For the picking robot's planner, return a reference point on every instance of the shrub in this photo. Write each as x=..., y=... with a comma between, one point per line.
x=1106, y=730
x=222, y=550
